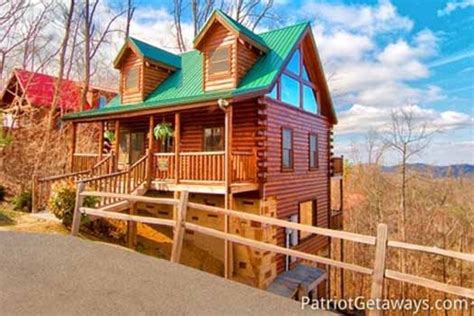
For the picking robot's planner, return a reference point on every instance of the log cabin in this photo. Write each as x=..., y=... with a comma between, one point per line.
x=27, y=97
x=251, y=119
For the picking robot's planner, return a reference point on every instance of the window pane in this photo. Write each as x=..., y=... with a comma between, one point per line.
x=132, y=79
x=304, y=74
x=313, y=151
x=309, y=100
x=273, y=93
x=287, y=139
x=213, y=139
x=294, y=64
x=290, y=91
x=219, y=60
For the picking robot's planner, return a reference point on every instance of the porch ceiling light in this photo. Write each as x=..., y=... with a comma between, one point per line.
x=223, y=103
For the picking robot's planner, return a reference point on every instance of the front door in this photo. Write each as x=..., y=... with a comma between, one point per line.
x=132, y=148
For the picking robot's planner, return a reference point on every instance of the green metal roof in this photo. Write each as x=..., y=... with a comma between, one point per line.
x=156, y=54
x=184, y=86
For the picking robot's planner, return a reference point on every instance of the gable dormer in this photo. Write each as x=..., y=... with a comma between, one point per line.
x=142, y=67
x=228, y=50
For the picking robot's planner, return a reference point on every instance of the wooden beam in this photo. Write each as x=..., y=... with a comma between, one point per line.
x=101, y=139
x=376, y=292
x=117, y=144
x=126, y=217
x=177, y=142
x=151, y=150
x=227, y=180
x=76, y=220
x=131, y=197
x=132, y=228
x=179, y=228
x=73, y=144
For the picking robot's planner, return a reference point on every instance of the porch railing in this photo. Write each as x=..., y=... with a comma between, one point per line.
x=205, y=166
x=82, y=162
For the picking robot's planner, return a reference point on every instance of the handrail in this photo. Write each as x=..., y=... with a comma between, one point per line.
x=138, y=161
x=202, y=153
x=61, y=176
x=368, y=240
x=163, y=154
x=105, y=176
x=106, y=157
x=85, y=155
x=378, y=273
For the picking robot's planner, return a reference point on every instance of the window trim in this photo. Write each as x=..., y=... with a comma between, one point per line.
x=221, y=127
x=316, y=166
x=134, y=89
x=292, y=152
x=219, y=74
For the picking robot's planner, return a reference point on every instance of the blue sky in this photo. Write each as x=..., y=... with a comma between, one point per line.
x=379, y=56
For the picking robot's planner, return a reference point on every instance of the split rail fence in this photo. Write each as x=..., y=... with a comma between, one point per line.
x=378, y=272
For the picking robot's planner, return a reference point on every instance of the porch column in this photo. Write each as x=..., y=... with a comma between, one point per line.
x=228, y=264
x=177, y=141
x=73, y=144
x=151, y=151
x=117, y=144
x=101, y=139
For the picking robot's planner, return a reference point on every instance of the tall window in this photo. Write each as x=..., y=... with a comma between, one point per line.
x=313, y=151
x=296, y=88
x=102, y=101
x=131, y=79
x=219, y=61
x=287, y=149
x=214, y=138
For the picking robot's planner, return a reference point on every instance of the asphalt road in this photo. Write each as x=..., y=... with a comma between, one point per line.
x=59, y=275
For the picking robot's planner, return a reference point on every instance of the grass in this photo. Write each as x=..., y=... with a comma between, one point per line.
x=7, y=215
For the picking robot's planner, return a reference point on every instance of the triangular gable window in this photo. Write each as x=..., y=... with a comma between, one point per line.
x=294, y=64
x=304, y=74
x=296, y=88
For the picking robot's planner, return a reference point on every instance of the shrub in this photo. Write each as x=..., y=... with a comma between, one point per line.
x=23, y=201
x=2, y=193
x=63, y=199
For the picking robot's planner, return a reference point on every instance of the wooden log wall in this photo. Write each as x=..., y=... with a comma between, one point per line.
x=300, y=185
x=134, y=96
x=246, y=57
x=153, y=75
x=219, y=36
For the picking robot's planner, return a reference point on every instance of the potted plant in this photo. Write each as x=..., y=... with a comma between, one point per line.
x=163, y=132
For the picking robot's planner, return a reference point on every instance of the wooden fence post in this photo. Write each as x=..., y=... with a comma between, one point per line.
x=179, y=228
x=34, y=198
x=379, y=266
x=132, y=228
x=76, y=220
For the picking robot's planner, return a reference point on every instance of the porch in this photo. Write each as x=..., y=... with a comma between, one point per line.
x=211, y=150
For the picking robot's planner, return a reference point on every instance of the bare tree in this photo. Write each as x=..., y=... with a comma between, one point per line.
x=62, y=57
x=248, y=12
x=130, y=12
x=375, y=147
x=407, y=137
x=94, y=37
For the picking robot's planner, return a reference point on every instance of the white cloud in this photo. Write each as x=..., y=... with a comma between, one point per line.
x=455, y=5
x=361, y=118
x=381, y=18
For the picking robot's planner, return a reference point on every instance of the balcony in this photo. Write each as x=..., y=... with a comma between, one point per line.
x=204, y=171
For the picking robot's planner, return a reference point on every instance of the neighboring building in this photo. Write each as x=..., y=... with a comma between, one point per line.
x=28, y=96
x=252, y=118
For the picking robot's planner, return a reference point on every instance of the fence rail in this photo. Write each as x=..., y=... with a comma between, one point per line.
x=379, y=273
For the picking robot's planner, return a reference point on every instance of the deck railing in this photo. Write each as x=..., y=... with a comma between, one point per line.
x=83, y=162
x=380, y=243
x=104, y=166
x=337, y=166
x=205, y=166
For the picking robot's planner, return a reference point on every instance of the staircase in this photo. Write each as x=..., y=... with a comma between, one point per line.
x=100, y=177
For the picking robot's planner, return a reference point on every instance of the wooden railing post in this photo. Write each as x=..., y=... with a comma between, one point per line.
x=34, y=198
x=132, y=228
x=76, y=220
x=379, y=266
x=179, y=229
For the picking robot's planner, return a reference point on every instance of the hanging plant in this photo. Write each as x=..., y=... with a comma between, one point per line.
x=109, y=135
x=163, y=131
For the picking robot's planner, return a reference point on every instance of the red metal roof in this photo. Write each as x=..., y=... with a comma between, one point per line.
x=39, y=89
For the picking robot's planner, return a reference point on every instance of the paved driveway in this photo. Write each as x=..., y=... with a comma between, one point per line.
x=60, y=275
